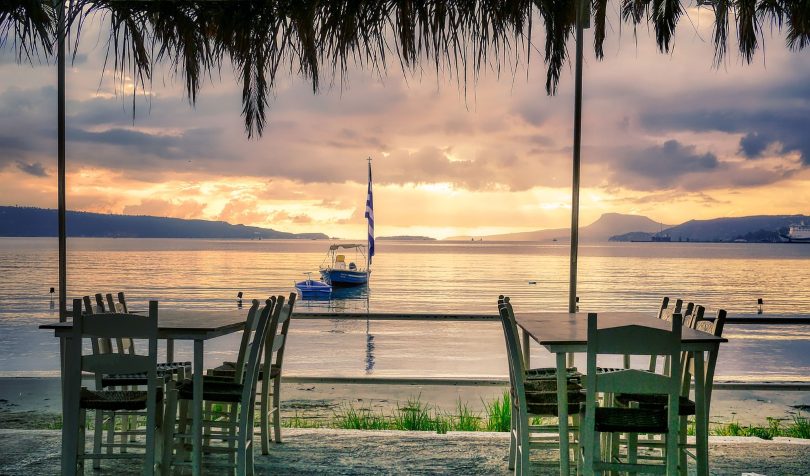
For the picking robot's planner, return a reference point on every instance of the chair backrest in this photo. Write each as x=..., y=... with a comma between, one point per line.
x=666, y=313
x=250, y=329
x=510, y=314
x=278, y=331
x=634, y=340
x=254, y=353
x=715, y=328
x=113, y=325
x=514, y=353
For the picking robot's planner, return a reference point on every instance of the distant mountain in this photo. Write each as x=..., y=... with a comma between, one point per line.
x=405, y=238
x=753, y=228
x=27, y=221
x=609, y=224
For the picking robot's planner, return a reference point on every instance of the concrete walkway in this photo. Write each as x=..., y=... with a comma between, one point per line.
x=348, y=452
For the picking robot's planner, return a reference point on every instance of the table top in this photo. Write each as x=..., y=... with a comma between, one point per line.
x=188, y=324
x=552, y=329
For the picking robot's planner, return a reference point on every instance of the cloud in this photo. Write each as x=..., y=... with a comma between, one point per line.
x=35, y=169
x=661, y=166
x=753, y=144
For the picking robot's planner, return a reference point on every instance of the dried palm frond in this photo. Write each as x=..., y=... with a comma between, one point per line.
x=320, y=40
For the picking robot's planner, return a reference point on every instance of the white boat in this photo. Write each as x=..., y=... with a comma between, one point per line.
x=799, y=233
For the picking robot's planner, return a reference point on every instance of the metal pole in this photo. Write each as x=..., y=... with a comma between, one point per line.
x=61, y=164
x=572, y=282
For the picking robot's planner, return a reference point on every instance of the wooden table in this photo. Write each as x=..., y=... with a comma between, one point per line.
x=563, y=333
x=197, y=325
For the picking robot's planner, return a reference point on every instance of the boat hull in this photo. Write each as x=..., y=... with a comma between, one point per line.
x=344, y=277
x=313, y=287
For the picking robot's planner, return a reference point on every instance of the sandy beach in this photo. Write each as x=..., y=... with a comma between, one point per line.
x=34, y=403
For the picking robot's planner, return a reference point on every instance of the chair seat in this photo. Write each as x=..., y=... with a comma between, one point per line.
x=227, y=369
x=551, y=373
x=116, y=400
x=218, y=391
x=165, y=371
x=630, y=420
x=541, y=397
x=685, y=406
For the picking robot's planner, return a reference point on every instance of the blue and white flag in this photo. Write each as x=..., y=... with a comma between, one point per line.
x=370, y=215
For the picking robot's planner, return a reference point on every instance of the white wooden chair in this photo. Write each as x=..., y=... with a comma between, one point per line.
x=686, y=407
x=533, y=398
x=270, y=413
x=612, y=420
x=148, y=403
x=238, y=393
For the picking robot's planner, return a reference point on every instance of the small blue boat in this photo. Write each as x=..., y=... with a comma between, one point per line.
x=339, y=273
x=310, y=289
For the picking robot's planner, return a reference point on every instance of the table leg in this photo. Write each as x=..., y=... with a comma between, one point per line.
x=70, y=407
x=562, y=411
x=527, y=353
x=701, y=417
x=169, y=350
x=196, y=432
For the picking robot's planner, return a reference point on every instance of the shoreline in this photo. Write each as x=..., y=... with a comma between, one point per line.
x=34, y=402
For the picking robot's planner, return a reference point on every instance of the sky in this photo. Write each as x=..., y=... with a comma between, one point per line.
x=668, y=136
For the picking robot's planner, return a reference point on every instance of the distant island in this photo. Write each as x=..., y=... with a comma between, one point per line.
x=42, y=222
x=405, y=238
x=751, y=229
x=622, y=227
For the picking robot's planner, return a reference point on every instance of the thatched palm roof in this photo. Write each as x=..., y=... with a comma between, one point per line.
x=319, y=39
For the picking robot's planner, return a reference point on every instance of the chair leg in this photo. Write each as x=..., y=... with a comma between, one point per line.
x=512, y=438
x=98, y=433
x=264, y=412
x=277, y=409
x=110, y=432
x=169, y=421
x=80, y=441
x=682, y=463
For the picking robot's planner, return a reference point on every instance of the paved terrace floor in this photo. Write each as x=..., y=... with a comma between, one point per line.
x=348, y=452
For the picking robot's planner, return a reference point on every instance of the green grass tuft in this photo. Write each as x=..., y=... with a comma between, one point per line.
x=499, y=413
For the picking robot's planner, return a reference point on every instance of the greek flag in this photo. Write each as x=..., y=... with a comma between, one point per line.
x=370, y=215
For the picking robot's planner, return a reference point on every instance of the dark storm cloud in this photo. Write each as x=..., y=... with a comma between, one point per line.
x=753, y=144
x=35, y=169
x=781, y=123
x=676, y=166
x=664, y=165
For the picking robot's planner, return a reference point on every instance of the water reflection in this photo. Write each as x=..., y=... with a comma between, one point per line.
x=369, y=348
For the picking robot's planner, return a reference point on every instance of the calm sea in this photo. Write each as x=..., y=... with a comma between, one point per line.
x=420, y=277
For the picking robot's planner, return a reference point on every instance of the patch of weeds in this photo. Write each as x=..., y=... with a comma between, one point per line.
x=300, y=421
x=350, y=418
x=415, y=416
x=465, y=419
x=499, y=413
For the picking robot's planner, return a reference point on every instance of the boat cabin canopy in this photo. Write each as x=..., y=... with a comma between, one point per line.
x=347, y=246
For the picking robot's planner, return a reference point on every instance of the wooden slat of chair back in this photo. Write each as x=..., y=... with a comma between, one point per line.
x=280, y=339
x=123, y=302
x=105, y=326
x=643, y=382
x=250, y=327
x=100, y=345
x=664, y=304
x=125, y=344
x=100, y=304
